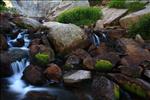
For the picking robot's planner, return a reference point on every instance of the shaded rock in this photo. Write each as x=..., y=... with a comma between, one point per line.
x=132, y=85
x=131, y=71
x=76, y=76
x=72, y=61
x=65, y=37
x=102, y=89
x=35, y=49
x=145, y=64
x=17, y=54
x=34, y=75
x=82, y=54
x=39, y=95
x=5, y=25
x=135, y=53
x=89, y=63
x=18, y=43
x=147, y=73
x=126, y=21
x=26, y=23
x=3, y=41
x=110, y=16
x=53, y=72
x=36, y=41
x=5, y=65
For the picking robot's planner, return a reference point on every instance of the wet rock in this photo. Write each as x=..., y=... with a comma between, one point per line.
x=89, y=63
x=135, y=53
x=3, y=41
x=34, y=75
x=5, y=65
x=72, y=61
x=135, y=86
x=26, y=23
x=147, y=73
x=126, y=21
x=82, y=54
x=65, y=37
x=19, y=42
x=102, y=89
x=76, y=76
x=53, y=72
x=17, y=54
x=131, y=71
x=39, y=95
x=35, y=49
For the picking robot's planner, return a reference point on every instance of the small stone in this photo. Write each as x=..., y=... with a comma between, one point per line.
x=76, y=76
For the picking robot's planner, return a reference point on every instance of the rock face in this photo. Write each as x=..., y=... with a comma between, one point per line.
x=3, y=41
x=65, y=37
x=34, y=75
x=76, y=76
x=48, y=8
x=133, y=17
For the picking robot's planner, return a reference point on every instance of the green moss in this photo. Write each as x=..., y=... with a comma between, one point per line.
x=116, y=92
x=103, y=65
x=80, y=15
x=135, y=6
x=133, y=88
x=42, y=58
x=141, y=27
x=117, y=4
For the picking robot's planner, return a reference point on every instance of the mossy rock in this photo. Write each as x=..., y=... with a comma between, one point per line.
x=116, y=91
x=103, y=65
x=42, y=58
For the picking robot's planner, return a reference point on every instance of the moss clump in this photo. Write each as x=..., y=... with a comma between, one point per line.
x=135, y=6
x=141, y=27
x=80, y=15
x=116, y=92
x=117, y=4
x=133, y=88
x=103, y=65
x=42, y=58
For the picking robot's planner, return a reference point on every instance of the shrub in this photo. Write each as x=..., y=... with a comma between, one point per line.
x=135, y=6
x=117, y=4
x=42, y=58
x=141, y=27
x=103, y=65
x=80, y=15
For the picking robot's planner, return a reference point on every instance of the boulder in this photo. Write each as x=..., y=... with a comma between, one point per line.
x=135, y=53
x=89, y=63
x=3, y=41
x=65, y=37
x=126, y=21
x=102, y=89
x=34, y=75
x=39, y=95
x=53, y=72
x=76, y=76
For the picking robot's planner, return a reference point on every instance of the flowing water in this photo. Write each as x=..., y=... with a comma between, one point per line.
x=13, y=88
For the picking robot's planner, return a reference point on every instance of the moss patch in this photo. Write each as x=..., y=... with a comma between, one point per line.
x=103, y=65
x=42, y=58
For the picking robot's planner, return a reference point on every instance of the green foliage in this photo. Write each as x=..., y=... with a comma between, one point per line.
x=80, y=15
x=103, y=65
x=141, y=27
x=116, y=92
x=135, y=6
x=136, y=89
x=117, y=4
x=42, y=58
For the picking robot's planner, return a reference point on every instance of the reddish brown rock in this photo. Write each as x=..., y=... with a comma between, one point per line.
x=53, y=72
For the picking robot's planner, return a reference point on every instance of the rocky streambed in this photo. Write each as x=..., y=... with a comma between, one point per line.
x=56, y=61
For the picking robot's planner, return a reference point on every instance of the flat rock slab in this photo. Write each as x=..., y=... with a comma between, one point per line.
x=134, y=17
x=110, y=15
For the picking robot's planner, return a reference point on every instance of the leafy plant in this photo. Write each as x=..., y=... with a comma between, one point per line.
x=80, y=15
x=141, y=27
x=135, y=6
x=117, y=4
x=103, y=65
x=42, y=58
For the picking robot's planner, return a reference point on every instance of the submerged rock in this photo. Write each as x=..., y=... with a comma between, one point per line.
x=34, y=75
x=65, y=37
x=76, y=76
